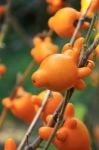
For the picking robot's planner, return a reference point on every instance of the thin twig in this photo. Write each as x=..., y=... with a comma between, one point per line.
x=52, y=123
x=87, y=38
x=59, y=119
x=31, y=127
x=13, y=94
x=79, y=24
x=5, y=25
x=88, y=52
x=34, y=145
x=93, y=21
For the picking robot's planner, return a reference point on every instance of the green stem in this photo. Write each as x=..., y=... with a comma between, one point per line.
x=87, y=38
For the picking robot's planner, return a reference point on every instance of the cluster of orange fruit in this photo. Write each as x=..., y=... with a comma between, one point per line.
x=72, y=135
x=72, y=131
x=26, y=105
x=55, y=5
x=57, y=72
x=63, y=23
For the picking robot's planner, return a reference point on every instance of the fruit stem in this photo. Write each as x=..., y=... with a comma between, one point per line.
x=80, y=22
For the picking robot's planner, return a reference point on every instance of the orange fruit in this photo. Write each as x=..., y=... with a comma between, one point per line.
x=73, y=135
x=52, y=103
x=10, y=144
x=55, y=2
x=55, y=72
x=21, y=106
x=43, y=48
x=63, y=22
x=55, y=5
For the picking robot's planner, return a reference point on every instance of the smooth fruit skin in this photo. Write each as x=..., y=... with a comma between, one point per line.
x=52, y=103
x=63, y=22
x=73, y=135
x=54, y=73
x=43, y=48
x=21, y=107
x=59, y=72
x=93, y=8
x=10, y=144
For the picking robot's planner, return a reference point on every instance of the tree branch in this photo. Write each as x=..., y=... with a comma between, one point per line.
x=80, y=22
x=32, y=125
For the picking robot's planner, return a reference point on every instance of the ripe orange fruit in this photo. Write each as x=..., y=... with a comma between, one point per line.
x=69, y=111
x=63, y=22
x=10, y=144
x=55, y=72
x=43, y=48
x=21, y=106
x=55, y=5
x=55, y=2
x=73, y=135
x=51, y=105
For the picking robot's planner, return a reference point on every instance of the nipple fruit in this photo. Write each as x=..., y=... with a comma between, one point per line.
x=59, y=72
x=64, y=22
